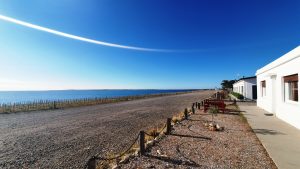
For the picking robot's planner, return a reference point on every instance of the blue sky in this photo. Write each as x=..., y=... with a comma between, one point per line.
x=212, y=40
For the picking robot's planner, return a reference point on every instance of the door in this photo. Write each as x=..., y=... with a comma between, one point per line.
x=254, y=92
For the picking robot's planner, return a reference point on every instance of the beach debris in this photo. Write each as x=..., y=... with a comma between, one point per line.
x=87, y=148
x=161, y=154
x=219, y=128
x=125, y=159
x=213, y=127
x=206, y=124
x=150, y=143
x=115, y=166
x=137, y=153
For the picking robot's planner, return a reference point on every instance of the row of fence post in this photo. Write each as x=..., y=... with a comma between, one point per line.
x=169, y=126
x=92, y=162
x=197, y=105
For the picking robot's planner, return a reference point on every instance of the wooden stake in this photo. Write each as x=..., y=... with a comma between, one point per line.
x=142, y=142
x=168, y=126
x=91, y=163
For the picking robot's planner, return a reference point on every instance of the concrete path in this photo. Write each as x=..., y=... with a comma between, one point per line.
x=281, y=140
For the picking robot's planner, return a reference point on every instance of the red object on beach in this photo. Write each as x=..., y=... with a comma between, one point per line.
x=218, y=103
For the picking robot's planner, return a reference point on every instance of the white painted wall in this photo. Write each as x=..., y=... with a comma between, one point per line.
x=274, y=101
x=246, y=84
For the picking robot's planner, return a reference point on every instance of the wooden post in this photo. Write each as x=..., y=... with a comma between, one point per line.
x=199, y=106
x=196, y=104
x=142, y=142
x=168, y=126
x=91, y=163
x=186, y=113
x=193, y=110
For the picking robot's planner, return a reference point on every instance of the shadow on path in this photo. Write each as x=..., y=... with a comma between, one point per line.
x=174, y=161
x=196, y=120
x=233, y=111
x=202, y=114
x=189, y=136
x=267, y=132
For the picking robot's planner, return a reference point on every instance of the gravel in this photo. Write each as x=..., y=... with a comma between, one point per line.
x=68, y=138
x=192, y=145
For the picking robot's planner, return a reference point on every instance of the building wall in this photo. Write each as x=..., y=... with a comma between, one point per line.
x=264, y=102
x=248, y=87
x=274, y=100
x=244, y=87
x=238, y=87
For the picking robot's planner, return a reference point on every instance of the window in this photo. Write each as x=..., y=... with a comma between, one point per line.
x=263, y=88
x=291, y=87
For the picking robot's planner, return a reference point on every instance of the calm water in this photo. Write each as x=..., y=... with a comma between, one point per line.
x=29, y=96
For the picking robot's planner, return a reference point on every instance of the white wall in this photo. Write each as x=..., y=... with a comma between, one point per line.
x=237, y=86
x=247, y=87
x=274, y=101
x=264, y=102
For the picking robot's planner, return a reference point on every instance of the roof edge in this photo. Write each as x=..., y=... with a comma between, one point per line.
x=291, y=55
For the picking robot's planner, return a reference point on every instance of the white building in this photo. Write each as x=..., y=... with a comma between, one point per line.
x=247, y=87
x=278, y=87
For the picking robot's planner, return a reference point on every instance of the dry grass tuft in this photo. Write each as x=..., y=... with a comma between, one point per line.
x=153, y=134
x=106, y=164
x=178, y=118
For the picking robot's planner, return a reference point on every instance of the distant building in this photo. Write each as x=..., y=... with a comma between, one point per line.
x=246, y=86
x=278, y=87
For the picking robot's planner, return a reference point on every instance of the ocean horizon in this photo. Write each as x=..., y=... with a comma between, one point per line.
x=8, y=97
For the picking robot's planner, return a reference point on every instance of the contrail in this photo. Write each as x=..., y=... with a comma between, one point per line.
x=55, y=32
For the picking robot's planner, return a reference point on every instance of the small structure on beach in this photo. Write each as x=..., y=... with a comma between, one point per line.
x=246, y=86
x=278, y=87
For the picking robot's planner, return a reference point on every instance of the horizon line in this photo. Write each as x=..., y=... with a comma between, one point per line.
x=97, y=89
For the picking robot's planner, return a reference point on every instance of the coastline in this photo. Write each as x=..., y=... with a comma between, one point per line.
x=63, y=104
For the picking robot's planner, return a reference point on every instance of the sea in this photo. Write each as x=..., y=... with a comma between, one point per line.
x=8, y=97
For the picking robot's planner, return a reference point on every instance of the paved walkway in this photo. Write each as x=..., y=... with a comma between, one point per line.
x=281, y=140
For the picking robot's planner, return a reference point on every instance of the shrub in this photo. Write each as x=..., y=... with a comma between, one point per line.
x=213, y=111
x=237, y=95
